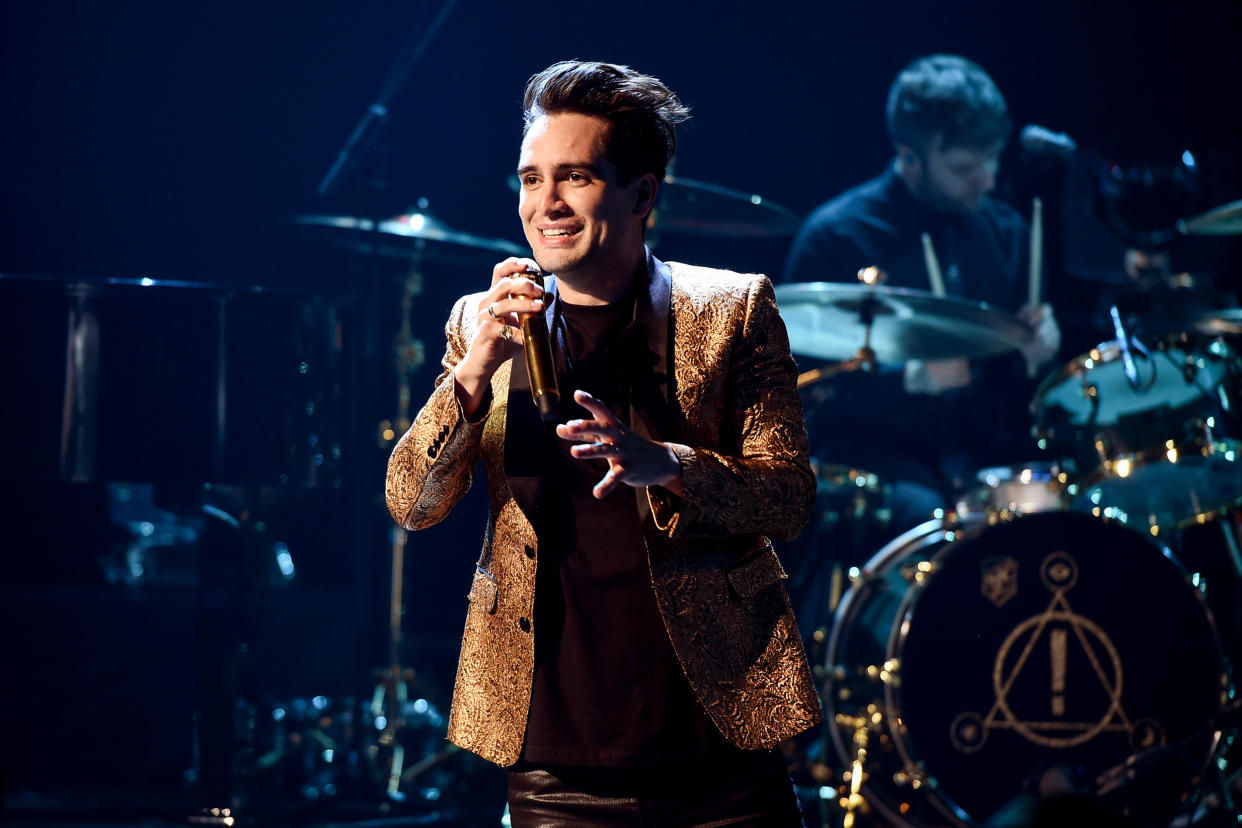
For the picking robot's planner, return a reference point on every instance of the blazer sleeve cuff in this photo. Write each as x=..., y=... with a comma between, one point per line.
x=668, y=509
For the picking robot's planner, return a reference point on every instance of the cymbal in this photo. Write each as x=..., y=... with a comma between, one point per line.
x=697, y=208
x=123, y=285
x=401, y=235
x=826, y=320
x=1225, y=220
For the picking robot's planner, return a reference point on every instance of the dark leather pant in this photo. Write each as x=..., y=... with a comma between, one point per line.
x=755, y=792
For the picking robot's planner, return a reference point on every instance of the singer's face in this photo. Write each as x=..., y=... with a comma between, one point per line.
x=955, y=180
x=580, y=222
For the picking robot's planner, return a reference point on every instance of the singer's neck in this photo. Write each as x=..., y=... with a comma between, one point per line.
x=598, y=288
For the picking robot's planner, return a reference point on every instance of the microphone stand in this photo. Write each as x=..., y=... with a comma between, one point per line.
x=377, y=113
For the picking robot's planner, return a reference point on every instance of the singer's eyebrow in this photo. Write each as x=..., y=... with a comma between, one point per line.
x=560, y=168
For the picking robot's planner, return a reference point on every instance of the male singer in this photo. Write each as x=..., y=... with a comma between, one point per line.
x=629, y=651
x=927, y=428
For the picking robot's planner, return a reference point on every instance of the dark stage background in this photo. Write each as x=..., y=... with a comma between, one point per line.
x=175, y=141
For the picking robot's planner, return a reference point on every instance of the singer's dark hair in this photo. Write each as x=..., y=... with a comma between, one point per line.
x=642, y=110
x=947, y=96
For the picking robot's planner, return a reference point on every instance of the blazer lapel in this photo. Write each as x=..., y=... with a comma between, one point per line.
x=647, y=343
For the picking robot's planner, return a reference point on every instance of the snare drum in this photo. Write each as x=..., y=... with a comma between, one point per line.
x=978, y=656
x=1006, y=491
x=1153, y=448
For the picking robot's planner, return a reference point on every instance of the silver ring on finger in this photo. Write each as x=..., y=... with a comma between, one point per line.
x=491, y=311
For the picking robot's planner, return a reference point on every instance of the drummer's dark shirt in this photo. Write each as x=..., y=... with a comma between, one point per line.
x=608, y=691
x=869, y=421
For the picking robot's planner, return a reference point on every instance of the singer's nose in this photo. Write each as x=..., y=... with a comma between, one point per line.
x=550, y=201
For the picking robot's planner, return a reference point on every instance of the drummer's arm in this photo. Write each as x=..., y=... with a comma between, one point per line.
x=938, y=376
x=935, y=376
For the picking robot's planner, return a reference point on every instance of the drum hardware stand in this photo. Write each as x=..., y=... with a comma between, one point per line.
x=409, y=354
x=429, y=762
x=1138, y=767
x=391, y=693
x=864, y=358
x=852, y=799
x=391, y=690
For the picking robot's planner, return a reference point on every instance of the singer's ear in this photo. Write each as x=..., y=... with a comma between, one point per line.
x=907, y=156
x=645, y=191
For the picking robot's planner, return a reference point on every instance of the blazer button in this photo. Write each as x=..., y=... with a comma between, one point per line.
x=524, y=623
x=431, y=451
x=530, y=551
x=445, y=430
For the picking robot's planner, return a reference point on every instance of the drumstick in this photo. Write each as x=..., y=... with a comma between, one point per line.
x=1037, y=251
x=933, y=266
x=1037, y=264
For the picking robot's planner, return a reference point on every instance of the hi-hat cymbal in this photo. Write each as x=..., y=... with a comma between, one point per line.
x=828, y=320
x=1225, y=220
x=400, y=236
x=697, y=208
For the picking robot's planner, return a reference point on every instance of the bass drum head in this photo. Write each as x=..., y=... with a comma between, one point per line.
x=1052, y=642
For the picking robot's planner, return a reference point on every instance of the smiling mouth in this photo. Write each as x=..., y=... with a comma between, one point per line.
x=558, y=232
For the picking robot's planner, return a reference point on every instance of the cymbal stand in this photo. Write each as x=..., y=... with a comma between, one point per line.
x=863, y=359
x=388, y=701
x=391, y=694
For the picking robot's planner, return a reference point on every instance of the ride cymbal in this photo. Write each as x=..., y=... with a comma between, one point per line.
x=831, y=320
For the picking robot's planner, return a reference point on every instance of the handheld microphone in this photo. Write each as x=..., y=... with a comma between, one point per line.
x=1039, y=140
x=539, y=367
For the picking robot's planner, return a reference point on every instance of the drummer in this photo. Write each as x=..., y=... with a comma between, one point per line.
x=929, y=222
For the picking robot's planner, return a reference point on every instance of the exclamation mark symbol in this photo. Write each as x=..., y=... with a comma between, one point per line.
x=1057, y=643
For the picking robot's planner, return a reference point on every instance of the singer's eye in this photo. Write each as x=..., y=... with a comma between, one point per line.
x=529, y=180
x=578, y=178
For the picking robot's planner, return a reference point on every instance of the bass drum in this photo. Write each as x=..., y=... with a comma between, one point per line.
x=978, y=659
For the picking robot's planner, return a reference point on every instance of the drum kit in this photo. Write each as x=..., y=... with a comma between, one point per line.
x=1025, y=638
x=1053, y=633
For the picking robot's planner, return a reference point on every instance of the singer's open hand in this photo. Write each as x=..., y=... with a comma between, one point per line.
x=633, y=460
x=497, y=332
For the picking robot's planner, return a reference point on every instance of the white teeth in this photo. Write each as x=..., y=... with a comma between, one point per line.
x=557, y=231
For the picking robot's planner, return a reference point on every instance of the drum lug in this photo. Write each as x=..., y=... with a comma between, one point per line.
x=918, y=574
x=885, y=673
x=913, y=776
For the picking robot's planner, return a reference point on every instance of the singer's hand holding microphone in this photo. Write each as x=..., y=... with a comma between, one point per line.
x=510, y=318
x=498, y=329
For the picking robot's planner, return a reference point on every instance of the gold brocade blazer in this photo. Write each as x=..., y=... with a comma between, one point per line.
x=730, y=410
